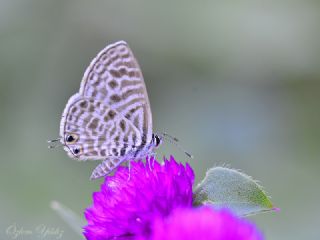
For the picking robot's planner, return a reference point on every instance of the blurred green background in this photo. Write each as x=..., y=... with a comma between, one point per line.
x=236, y=81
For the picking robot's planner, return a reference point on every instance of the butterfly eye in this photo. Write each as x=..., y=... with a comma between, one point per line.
x=157, y=140
x=71, y=138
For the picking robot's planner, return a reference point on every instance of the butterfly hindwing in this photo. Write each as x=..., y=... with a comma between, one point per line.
x=105, y=167
x=97, y=130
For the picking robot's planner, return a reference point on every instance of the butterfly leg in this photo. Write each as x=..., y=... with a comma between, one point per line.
x=150, y=163
x=104, y=168
x=129, y=169
x=151, y=160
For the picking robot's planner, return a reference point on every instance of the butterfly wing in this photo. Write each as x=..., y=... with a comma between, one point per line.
x=114, y=77
x=105, y=167
x=111, y=115
x=97, y=131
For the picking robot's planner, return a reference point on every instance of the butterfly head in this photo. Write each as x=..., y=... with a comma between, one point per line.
x=156, y=140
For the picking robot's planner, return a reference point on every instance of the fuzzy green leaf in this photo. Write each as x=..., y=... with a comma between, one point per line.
x=227, y=188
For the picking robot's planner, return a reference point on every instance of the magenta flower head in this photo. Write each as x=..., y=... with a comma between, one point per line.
x=126, y=209
x=202, y=224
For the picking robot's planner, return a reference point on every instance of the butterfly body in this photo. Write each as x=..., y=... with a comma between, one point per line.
x=109, y=118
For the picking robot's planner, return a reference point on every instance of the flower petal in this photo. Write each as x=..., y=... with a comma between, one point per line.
x=127, y=208
x=204, y=223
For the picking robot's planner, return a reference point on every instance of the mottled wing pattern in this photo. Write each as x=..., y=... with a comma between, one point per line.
x=114, y=77
x=110, y=118
x=98, y=131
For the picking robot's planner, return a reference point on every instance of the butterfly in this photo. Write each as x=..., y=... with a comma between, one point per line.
x=109, y=119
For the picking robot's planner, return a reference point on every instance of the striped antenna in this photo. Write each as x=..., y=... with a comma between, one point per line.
x=175, y=141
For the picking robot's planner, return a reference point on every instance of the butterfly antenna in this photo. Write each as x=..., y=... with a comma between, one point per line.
x=170, y=136
x=173, y=140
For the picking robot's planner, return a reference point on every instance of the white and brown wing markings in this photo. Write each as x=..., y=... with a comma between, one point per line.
x=101, y=131
x=105, y=167
x=110, y=118
x=114, y=77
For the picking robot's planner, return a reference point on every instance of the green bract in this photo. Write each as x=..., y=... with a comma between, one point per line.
x=224, y=187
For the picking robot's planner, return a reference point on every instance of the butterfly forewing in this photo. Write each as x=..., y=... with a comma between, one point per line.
x=115, y=78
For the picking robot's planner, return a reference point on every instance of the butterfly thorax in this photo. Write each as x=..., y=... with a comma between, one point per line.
x=140, y=152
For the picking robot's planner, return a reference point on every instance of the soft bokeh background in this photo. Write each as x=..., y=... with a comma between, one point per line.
x=237, y=82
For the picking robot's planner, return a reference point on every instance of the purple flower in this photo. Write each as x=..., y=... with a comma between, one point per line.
x=125, y=209
x=204, y=223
